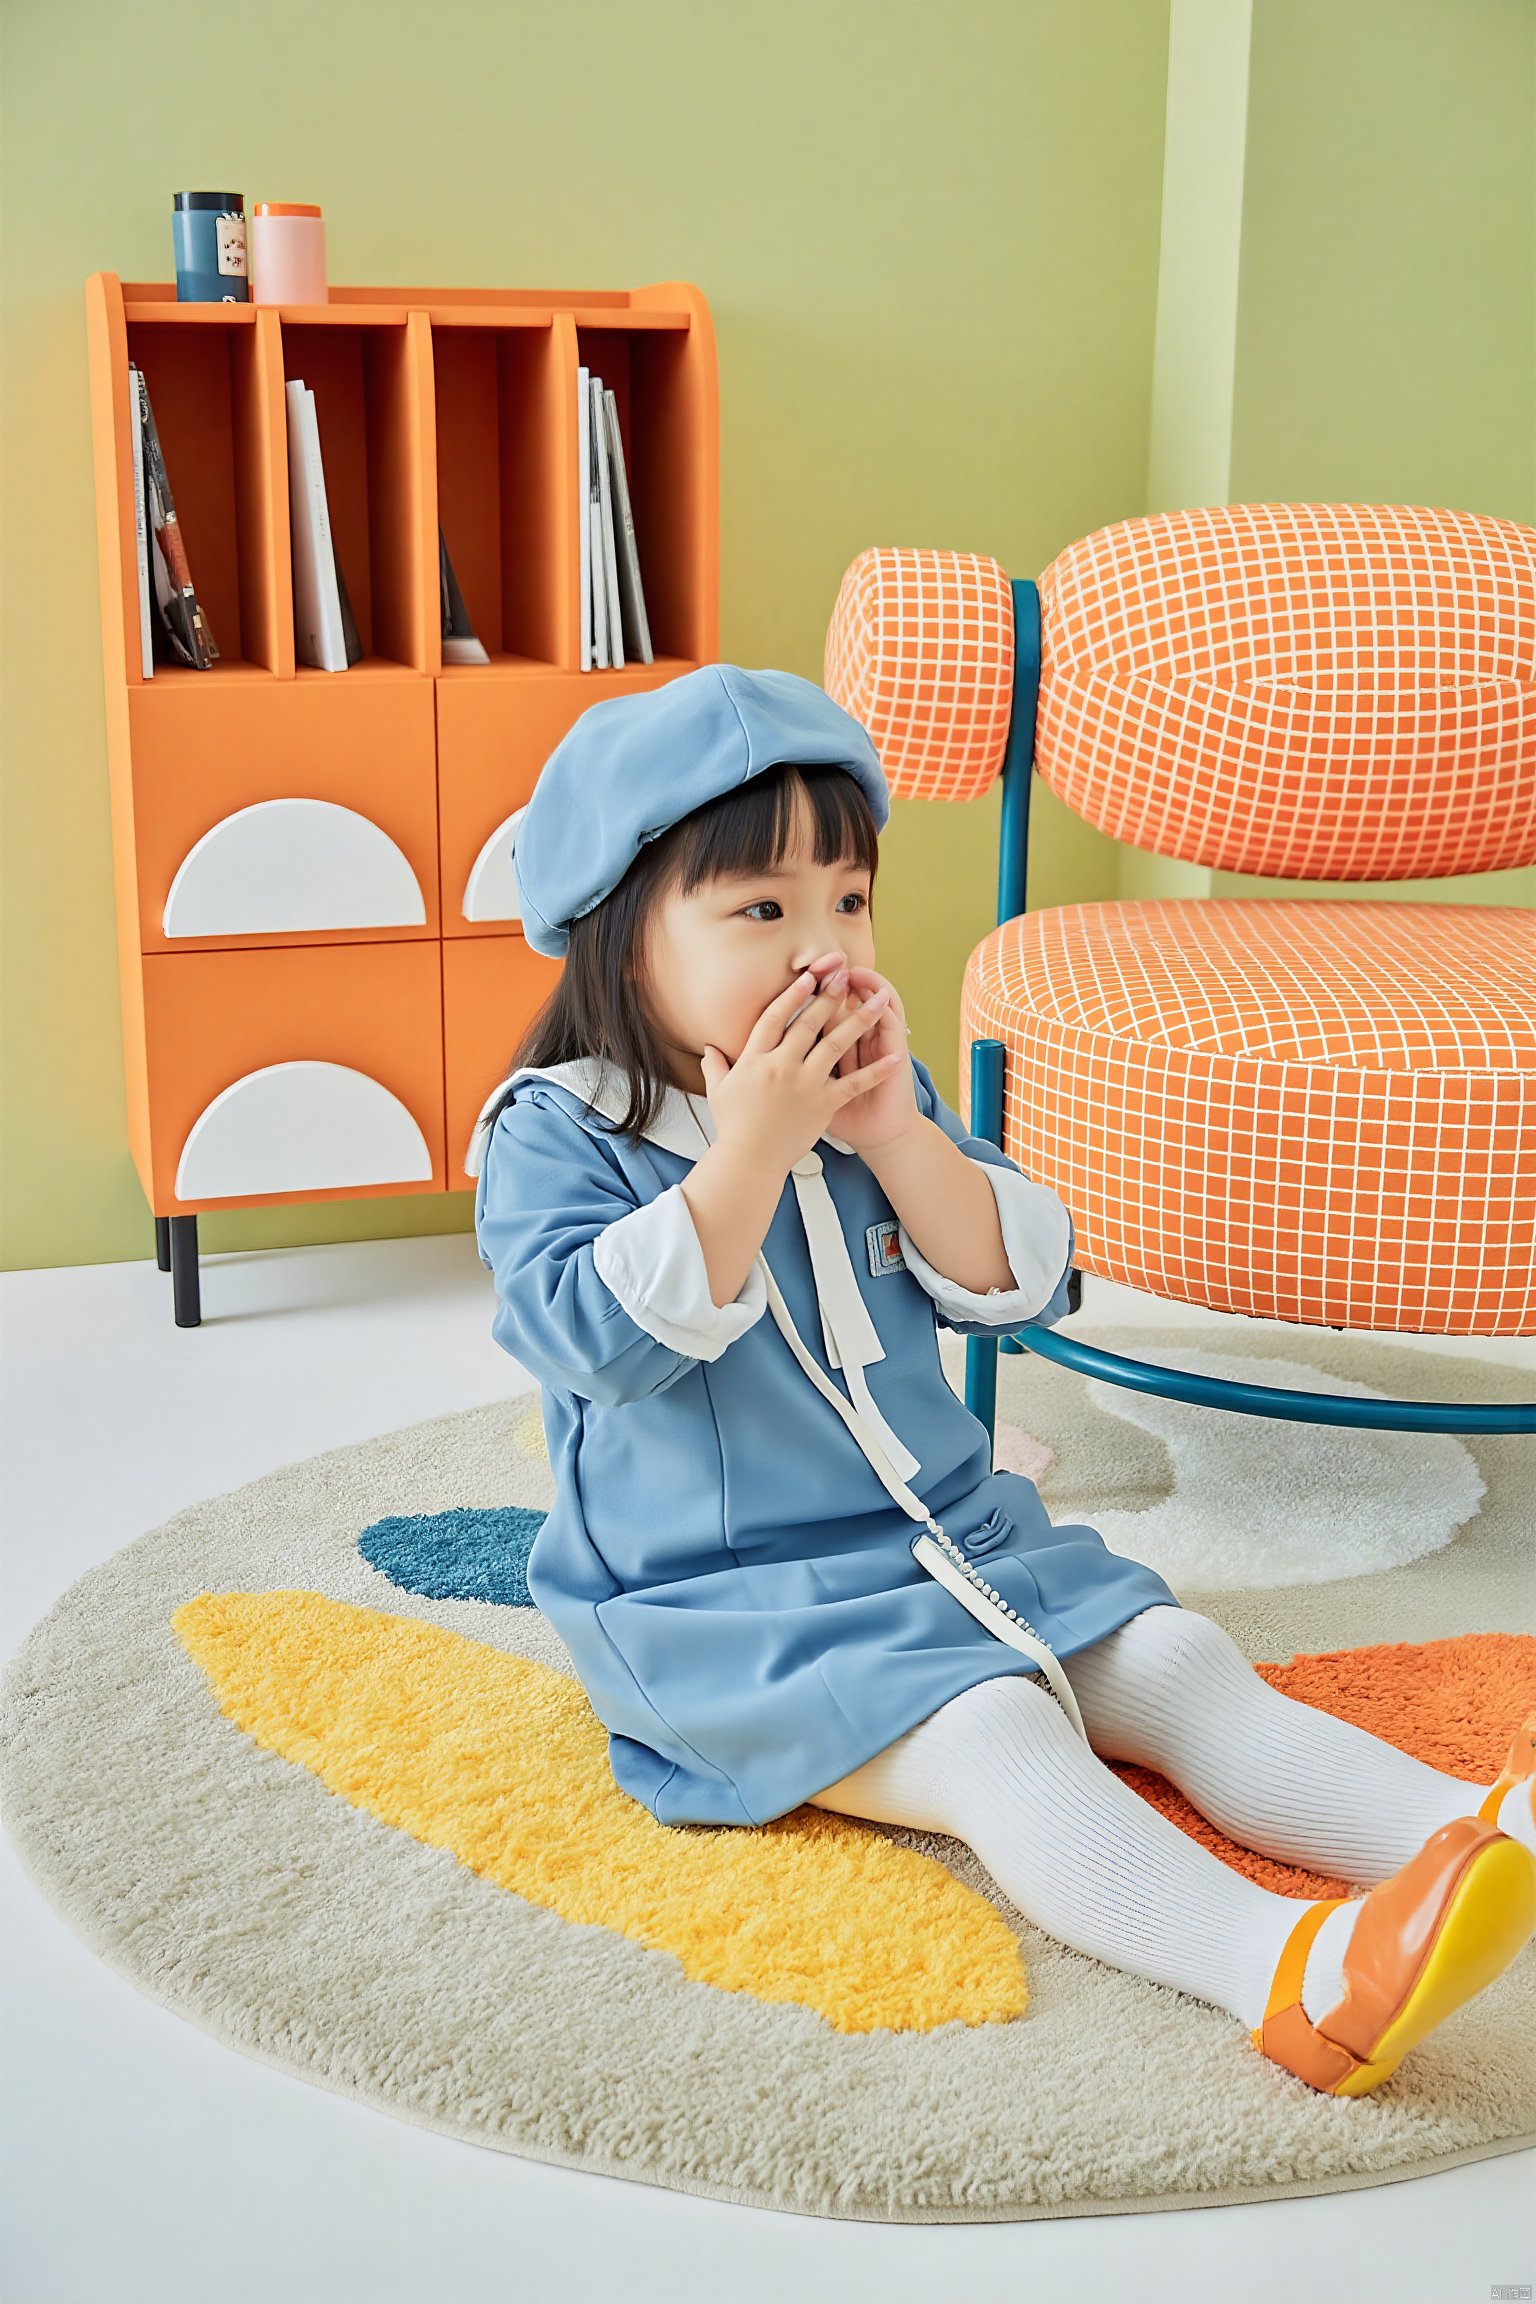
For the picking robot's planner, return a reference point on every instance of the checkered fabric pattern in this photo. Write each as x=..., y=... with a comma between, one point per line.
x=1313, y=1111
x=920, y=651
x=1309, y=691
x=1318, y=1112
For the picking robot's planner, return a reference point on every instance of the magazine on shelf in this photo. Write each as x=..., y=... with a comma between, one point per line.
x=460, y=644
x=140, y=528
x=319, y=636
x=629, y=557
x=605, y=502
x=184, y=633
x=167, y=648
x=583, y=501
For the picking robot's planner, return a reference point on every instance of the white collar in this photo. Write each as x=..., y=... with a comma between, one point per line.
x=684, y=1125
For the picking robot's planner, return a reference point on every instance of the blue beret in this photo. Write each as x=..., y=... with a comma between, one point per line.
x=632, y=766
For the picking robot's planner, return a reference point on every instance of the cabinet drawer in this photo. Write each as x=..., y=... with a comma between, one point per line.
x=495, y=730
x=285, y=814
x=492, y=988
x=300, y=1074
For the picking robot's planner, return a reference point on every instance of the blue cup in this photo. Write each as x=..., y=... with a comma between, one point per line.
x=208, y=231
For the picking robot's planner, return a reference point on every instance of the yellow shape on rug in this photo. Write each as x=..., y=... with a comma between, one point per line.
x=529, y=1433
x=502, y=1761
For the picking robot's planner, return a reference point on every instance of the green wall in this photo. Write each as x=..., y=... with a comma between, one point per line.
x=950, y=310
x=1347, y=288
x=928, y=238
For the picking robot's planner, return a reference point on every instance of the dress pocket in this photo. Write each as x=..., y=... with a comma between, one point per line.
x=994, y=1531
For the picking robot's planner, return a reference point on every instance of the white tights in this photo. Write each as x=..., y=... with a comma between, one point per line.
x=1083, y=1856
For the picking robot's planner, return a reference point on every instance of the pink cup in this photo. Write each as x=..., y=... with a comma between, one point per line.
x=287, y=254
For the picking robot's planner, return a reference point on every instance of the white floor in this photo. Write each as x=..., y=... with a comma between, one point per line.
x=145, y=2160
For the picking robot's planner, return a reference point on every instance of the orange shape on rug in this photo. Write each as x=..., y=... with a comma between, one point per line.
x=1454, y=1704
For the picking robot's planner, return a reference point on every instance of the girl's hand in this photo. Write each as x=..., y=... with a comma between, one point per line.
x=888, y=1106
x=785, y=1088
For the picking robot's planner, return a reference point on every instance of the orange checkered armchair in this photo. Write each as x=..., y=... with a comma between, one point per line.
x=1320, y=1112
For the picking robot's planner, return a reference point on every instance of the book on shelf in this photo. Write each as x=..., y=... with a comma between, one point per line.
x=181, y=632
x=610, y=577
x=611, y=558
x=319, y=632
x=349, y=632
x=629, y=556
x=460, y=643
x=614, y=626
x=583, y=509
x=141, y=545
x=613, y=620
x=597, y=581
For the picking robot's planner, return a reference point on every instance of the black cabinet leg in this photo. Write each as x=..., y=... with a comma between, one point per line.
x=184, y=1284
x=163, y=1242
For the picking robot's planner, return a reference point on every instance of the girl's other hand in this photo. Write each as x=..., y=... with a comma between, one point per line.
x=785, y=1089
x=887, y=1109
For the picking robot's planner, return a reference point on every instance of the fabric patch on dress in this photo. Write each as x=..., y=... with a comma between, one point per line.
x=884, y=1248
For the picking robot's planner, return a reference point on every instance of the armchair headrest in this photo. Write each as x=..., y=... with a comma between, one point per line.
x=1313, y=691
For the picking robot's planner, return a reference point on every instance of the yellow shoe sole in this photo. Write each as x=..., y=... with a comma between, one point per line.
x=1491, y=1915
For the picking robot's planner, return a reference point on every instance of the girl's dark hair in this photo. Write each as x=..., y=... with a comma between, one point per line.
x=593, y=1010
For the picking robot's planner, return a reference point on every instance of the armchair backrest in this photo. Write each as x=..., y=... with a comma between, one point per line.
x=1309, y=691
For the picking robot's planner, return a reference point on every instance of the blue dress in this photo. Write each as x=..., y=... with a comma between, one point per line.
x=738, y=1489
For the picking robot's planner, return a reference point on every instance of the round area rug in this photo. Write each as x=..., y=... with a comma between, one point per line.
x=305, y=1766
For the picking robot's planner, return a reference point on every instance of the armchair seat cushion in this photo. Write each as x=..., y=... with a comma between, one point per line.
x=1322, y=1112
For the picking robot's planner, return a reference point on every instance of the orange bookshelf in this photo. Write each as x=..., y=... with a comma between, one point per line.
x=321, y=967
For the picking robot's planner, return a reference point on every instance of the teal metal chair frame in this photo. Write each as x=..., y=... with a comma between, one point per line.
x=987, y=1120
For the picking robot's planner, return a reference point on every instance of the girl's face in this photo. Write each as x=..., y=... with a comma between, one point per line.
x=716, y=958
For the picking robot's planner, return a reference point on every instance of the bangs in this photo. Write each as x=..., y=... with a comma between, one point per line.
x=748, y=831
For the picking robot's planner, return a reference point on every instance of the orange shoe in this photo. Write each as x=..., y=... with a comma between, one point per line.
x=1519, y=1767
x=1444, y=1925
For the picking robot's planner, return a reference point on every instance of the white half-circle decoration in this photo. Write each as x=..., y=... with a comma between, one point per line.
x=490, y=892
x=301, y=1127
x=292, y=864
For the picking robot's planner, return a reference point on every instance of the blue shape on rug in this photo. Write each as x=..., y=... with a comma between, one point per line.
x=466, y=1554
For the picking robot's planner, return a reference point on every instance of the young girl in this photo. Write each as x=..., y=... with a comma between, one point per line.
x=726, y=1211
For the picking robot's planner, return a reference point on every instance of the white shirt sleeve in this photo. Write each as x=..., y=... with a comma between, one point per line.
x=1037, y=1234
x=653, y=1262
